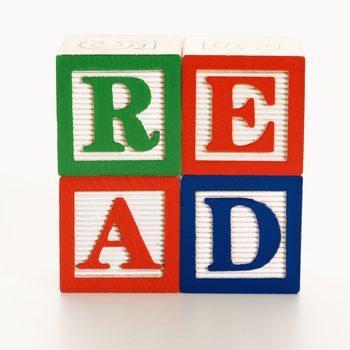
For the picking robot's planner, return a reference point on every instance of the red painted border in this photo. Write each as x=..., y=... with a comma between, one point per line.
x=170, y=280
x=296, y=68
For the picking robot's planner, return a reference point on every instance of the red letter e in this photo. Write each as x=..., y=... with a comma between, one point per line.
x=223, y=111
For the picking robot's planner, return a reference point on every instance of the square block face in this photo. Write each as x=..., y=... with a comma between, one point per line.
x=147, y=208
x=240, y=234
x=119, y=234
x=244, y=234
x=243, y=115
x=118, y=114
x=152, y=118
x=242, y=133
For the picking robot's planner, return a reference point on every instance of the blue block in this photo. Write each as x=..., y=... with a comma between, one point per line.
x=255, y=220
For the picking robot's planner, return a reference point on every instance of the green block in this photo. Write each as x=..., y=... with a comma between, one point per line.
x=119, y=114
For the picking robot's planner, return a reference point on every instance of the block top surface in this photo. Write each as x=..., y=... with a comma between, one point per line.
x=121, y=45
x=240, y=46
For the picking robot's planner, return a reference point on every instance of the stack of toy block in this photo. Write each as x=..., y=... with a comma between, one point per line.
x=125, y=152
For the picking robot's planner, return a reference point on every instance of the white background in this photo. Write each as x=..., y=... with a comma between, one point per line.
x=34, y=315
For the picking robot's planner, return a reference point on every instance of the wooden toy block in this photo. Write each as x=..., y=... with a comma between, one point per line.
x=119, y=105
x=119, y=234
x=240, y=234
x=242, y=107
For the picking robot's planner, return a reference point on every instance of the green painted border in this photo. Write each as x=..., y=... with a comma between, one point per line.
x=171, y=66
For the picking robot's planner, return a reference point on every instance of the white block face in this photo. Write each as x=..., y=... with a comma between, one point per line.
x=242, y=134
x=244, y=235
x=152, y=118
x=121, y=45
x=91, y=212
x=237, y=46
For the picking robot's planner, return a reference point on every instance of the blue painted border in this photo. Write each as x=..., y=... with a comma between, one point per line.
x=191, y=184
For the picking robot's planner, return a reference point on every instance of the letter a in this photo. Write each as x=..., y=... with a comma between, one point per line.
x=120, y=215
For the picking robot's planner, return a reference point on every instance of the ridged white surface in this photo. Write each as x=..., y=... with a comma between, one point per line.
x=242, y=134
x=91, y=212
x=152, y=118
x=244, y=235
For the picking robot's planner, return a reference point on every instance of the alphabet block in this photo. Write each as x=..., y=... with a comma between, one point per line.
x=119, y=234
x=243, y=107
x=240, y=234
x=119, y=105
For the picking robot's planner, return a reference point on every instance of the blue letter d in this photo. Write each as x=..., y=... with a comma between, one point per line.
x=269, y=233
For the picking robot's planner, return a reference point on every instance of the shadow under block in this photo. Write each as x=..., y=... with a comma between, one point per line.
x=240, y=234
x=119, y=234
x=119, y=106
x=242, y=107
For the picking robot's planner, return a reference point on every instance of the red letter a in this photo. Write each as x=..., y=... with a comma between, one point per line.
x=223, y=112
x=131, y=239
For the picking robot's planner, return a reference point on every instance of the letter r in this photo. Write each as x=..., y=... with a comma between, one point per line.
x=104, y=113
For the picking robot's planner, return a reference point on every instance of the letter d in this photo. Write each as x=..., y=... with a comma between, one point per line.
x=269, y=233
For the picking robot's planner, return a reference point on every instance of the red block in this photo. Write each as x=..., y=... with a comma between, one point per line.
x=242, y=107
x=119, y=234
